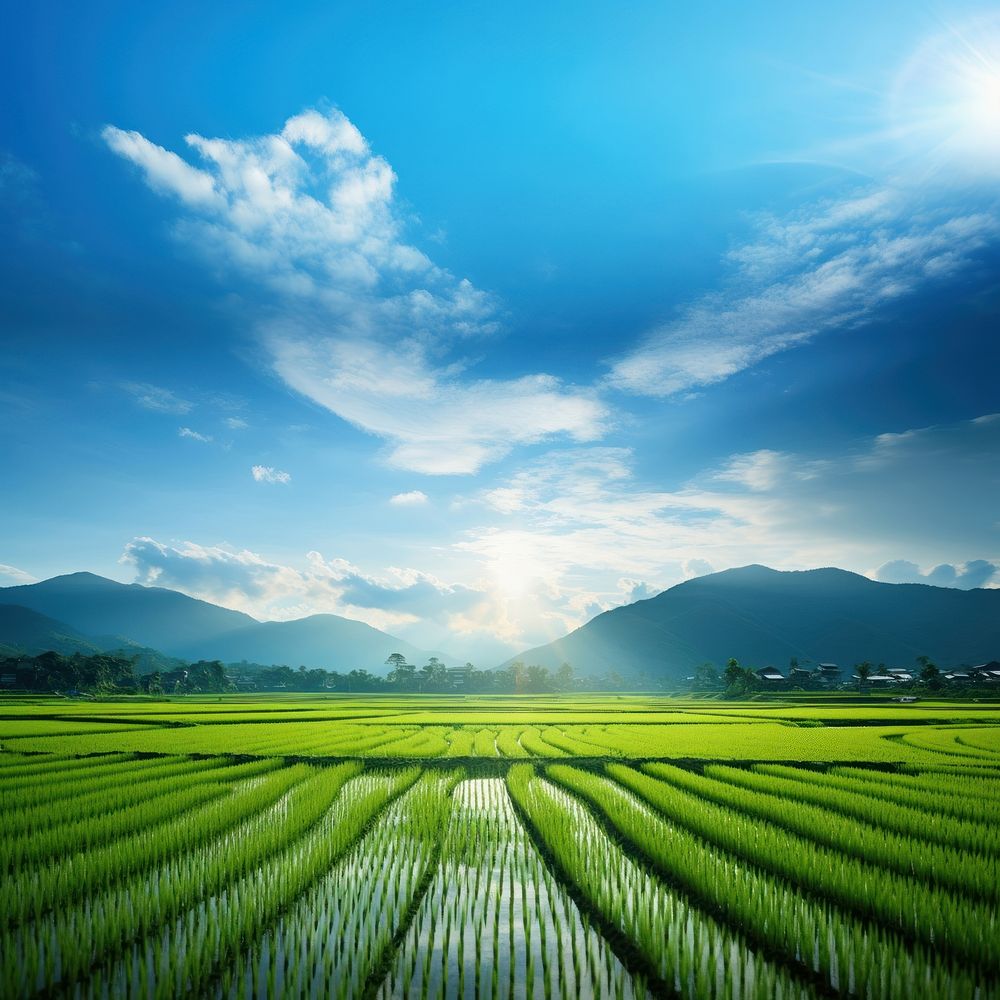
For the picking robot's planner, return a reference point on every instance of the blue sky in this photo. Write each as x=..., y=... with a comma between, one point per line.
x=470, y=321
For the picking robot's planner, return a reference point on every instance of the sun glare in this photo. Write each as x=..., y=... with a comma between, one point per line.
x=946, y=100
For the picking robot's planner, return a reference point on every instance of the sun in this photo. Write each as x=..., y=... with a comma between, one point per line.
x=945, y=102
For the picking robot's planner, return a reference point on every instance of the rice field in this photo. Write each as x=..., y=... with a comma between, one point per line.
x=391, y=849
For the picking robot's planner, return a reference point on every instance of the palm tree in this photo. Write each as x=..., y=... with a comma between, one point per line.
x=863, y=671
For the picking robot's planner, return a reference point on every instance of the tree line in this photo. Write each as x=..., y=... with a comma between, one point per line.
x=112, y=673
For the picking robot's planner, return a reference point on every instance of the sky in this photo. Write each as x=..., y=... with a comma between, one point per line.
x=471, y=321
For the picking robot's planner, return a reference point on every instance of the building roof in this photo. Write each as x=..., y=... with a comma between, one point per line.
x=772, y=673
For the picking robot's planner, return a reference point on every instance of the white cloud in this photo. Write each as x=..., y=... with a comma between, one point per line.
x=187, y=432
x=579, y=533
x=758, y=470
x=829, y=266
x=268, y=474
x=411, y=499
x=369, y=321
x=236, y=423
x=576, y=532
x=12, y=576
x=156, y=398
x=312, y=211
x=164, y=170
x=436, y=422
x=967, y=576
x=246, y=581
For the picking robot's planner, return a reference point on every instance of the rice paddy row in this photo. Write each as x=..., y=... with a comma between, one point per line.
x=229, y=878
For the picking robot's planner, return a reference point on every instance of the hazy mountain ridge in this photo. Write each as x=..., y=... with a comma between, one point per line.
x=764, y=616
x=23, y=630
x=101, y=614
x=759, y=615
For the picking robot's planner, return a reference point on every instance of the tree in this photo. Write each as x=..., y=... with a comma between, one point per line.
x=863, y=670
x=564, y=677
x=706, y=677
x=520, y=675
x=538, y=679
x=403, y=675
x=739, y=680
x=733, y=673
x=929, y=673
x=395, y=661
x=433, y=675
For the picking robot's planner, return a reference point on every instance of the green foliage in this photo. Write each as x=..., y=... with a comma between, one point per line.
x=376, y=866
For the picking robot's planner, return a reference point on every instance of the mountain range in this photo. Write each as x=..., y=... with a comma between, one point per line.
x=88, y=612
x=758, y=615
x=762, y=616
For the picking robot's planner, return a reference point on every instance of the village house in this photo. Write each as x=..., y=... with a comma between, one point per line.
x=986, y=673
x=880, y=679
x=829, y=673
x=769, y=675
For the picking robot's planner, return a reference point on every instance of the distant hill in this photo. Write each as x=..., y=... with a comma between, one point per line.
x=136, y=619
x=25, y=631
x=149, y=616
x=317, y=641
x=763, y=616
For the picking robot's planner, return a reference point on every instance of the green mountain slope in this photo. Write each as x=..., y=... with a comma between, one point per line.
x=764, y=616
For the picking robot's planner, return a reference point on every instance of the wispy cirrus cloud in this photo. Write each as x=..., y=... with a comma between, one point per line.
x=12, y=576
x=412, y=498
x=268, y=474
x=371, y=325
x=437, y=421
x=829, y=266
x=156, y=398
x=193, y=435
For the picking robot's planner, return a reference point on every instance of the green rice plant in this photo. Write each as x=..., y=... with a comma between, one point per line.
x=982, y=809
x=572, y=742
x=976, y=876
x=812, y=786
x=206, y=936
x=13, y=730
x=531, y=740
x=14, y=766
x=849, y=955
x=141, y=809
x=428, y=741
x=33, y=892
x=342, y=930
x=49, y=951
x=484, y=744
x=508, y=742
x=951, y=923
x=500, y=923
x=950, y=742
x=688, y=950
x=27, y=813
x=460, y=742
x=69, y=786
x=959, y=783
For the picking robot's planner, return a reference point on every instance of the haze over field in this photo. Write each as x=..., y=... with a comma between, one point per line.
x=474, y=326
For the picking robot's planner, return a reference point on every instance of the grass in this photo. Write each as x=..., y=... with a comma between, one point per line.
x=549, y=847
